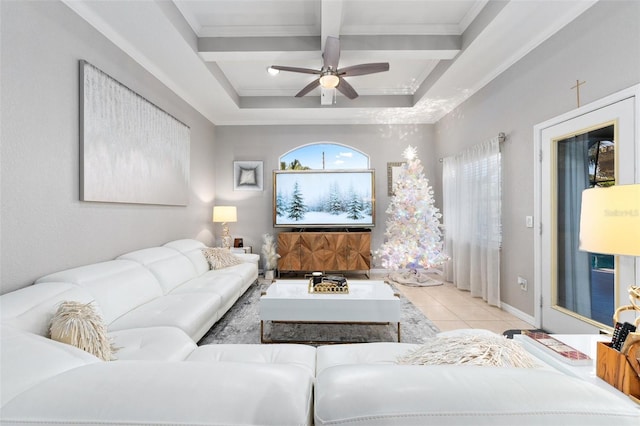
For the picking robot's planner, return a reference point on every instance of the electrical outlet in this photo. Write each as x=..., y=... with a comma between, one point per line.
x=522, y=283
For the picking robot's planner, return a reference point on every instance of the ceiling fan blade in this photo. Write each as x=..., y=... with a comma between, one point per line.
x=363, y=69
x=346, y=89
x=309, y=87
x=295, y=69
x=331, y=54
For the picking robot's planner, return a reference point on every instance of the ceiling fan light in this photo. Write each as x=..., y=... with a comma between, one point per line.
x=329, y=81
x=273, y=71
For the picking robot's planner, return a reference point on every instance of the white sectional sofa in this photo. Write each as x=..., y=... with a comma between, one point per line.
x=170, y=285
x=158, y=302
x=361, y=384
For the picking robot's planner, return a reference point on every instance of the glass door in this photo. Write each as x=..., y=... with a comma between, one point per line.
x=579, y=291
x=584, y=283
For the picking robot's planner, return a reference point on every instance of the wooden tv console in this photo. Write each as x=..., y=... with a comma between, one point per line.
x=324, y=251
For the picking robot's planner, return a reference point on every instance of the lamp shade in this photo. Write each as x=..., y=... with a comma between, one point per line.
x=329, y=81
x=610, y=220
x=225, y=214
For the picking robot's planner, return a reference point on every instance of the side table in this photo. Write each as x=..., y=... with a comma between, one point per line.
x=586, y=343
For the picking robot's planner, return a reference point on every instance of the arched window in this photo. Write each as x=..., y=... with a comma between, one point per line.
x=324, y=156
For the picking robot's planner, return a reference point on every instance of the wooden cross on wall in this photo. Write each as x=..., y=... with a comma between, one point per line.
x=577, y=87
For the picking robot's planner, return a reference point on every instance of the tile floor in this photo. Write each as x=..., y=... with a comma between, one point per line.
x=450, y=309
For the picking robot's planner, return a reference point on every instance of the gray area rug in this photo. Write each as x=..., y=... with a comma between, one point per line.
x=241, y=324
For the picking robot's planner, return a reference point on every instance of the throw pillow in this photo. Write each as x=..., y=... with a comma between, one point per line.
x=485, y=349
x=79, y=324
x=247, y=177
x=219, y=258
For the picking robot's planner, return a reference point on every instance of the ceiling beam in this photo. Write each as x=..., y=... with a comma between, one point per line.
x=473, y=29
x=217, y=48
x=400, y=42
x=386, y=47
x=270, y=102
x=330, y=20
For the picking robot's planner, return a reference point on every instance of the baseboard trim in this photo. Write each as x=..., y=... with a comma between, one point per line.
x=518, y=313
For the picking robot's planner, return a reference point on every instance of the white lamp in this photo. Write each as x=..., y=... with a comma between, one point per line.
x=610, y=220
x=610, y=224
x=225, y=214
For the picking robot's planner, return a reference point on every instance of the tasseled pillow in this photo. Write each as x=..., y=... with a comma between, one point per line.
x=485, y=349
x=79, y=324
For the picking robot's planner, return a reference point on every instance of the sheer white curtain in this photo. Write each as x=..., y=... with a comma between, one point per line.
x=574, y=270
x=472, y=191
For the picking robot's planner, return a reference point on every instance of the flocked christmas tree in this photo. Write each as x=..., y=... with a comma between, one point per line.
x=414, y=237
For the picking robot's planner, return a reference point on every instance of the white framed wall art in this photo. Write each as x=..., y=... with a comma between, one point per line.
x=131, y=151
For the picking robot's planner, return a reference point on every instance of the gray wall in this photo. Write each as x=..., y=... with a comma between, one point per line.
x=601, y=47
x=383, y=143
x=44, y=228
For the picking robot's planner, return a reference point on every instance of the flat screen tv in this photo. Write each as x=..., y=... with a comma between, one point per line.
x=324, y=198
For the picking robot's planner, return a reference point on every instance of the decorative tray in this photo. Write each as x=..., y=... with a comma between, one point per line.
x=327, y=287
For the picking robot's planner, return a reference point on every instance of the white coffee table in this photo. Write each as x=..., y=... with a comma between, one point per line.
x=368, y=302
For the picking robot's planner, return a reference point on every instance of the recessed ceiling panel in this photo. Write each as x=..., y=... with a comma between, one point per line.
x=408, y=16
x=243, y=18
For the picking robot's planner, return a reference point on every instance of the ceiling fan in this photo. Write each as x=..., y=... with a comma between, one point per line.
x=330, y=75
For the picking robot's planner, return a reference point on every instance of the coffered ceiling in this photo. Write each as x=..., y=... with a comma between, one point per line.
x=215, y=53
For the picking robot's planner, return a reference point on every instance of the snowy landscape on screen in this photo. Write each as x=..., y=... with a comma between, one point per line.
x=324, y=198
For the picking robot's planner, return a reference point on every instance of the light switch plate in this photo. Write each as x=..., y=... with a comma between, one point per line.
x=529, y=221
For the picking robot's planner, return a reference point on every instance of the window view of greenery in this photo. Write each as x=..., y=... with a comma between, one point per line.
x=324, y=156
x=602, y=163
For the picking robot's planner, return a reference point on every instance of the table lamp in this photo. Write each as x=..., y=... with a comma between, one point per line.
x=225, y=214
x=610, y=222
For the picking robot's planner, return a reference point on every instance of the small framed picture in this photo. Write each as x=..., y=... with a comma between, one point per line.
x=237, y=242
x=393, y=169
x=247, y=175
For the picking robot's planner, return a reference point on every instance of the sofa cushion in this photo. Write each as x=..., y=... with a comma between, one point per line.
x=248, y=257
x=32, y=308
x=170, y=267
x=248, y=271
x=220, y=258
x=78, y=324
x=193, y=313
x=152, y=344
x=162, y=393
x=382, y=352
x=303, y=356
x=360, y=353
x=192, y=249
x=462, y=395
x=29, y=359
x=225, y=284
x=118, y=286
